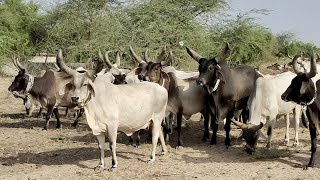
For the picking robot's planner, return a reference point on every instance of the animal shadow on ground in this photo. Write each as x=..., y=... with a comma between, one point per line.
x=61, y=156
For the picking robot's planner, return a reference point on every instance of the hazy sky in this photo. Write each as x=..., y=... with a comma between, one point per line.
x=297, y=16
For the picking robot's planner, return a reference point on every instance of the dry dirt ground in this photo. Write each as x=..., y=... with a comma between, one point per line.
x=28, y=152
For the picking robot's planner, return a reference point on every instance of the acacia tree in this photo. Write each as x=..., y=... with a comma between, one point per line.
x=15, y=25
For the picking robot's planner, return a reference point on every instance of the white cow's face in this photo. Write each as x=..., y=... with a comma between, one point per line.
x=83, y=89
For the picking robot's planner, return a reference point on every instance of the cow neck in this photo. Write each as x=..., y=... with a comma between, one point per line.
x=314, y=97
x=30, y=83
x=226, y=71
x=163, y=78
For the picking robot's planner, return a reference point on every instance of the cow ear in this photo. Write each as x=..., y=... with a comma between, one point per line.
x=65, y=89
x=220, y=76
x=137, y=71
x=91, y=88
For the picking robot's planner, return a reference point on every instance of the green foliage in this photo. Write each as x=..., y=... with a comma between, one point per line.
x=16, y=23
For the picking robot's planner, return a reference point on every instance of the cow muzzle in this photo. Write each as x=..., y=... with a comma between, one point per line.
x=201, y=82
x=75, y=99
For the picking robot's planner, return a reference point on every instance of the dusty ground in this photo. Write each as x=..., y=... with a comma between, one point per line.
x=27, y=152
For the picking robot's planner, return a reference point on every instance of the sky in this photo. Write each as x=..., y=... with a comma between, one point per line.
x=296, y=16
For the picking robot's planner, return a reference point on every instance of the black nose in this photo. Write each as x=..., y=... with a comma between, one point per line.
x=285, y=98
x=74, y=99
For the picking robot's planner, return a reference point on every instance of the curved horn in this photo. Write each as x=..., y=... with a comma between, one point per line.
x=171, y=57
x=20, y=67
x=14, y=62
x=290, y=57
x=118, y=59
x=135, y=56
x=162, y=56
x=146, y=58
x=193, y=54
x=62, y=65
x=240, y=124
x=56, y=66
x=255, y=127
x=106, y=59
x=295, y=64
x=224, y=54
x=313, y=68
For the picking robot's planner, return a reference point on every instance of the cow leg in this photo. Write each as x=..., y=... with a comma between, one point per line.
x=48, y=116
x=206, y=125
x=101, y=141
x=313, y=136
x=214, y=126
x=138, y=139
x=179, y=128
x=271, y=123
x=297, y=112
x=227, y=128
x=112, y=144
x=66, y=112
x=163, y=144
x=56, y=114
x=286, y=138
x=156, y=131
x=75, y=123
x=40, y=113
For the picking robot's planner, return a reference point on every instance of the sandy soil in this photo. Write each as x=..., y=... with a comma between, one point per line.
x=28, y=152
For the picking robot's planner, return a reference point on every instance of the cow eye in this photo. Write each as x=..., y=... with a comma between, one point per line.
x=85, y=84
x=210, y=68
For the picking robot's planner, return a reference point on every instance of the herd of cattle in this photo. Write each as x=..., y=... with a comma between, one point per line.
x=154, y=94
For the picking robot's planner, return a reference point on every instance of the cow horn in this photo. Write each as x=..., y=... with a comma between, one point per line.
x=171, y=57
x=56, y=66
x=62, y=65
x=162, y=56
x=193, y=54
x=135, y=56
x=20, y=67
x=146, y=58
x=106, y=59
x=295, y=64
x=240, y=124
x=254, y=127
x=290, y=57
x=118, y=59
x=224, y=54
x=313, y=69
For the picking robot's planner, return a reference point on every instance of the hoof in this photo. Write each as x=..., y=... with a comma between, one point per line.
x=112, y=169
x=179, y=147
x=99, y=168
x=286, y=142
x=268, y=146
x=44, y=129
x=307, y=167
x=212, y=146
x=163, y=153
x=58, y=127
x=150, y=161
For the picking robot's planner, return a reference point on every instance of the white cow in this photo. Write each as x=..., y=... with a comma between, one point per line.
x=110, y=108
x=265, y=102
